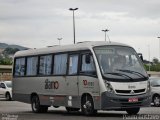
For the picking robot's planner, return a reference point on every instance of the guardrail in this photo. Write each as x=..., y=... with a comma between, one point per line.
x=152, y=73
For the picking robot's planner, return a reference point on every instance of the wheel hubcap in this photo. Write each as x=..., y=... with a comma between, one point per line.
x=87, y=106
x=157, y=101
x=35, y=104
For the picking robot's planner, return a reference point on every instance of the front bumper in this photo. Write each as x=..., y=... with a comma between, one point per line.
x=111, y=101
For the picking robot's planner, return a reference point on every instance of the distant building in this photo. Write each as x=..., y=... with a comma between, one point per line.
x=5, y=72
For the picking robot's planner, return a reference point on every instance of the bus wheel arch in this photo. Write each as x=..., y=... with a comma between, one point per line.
x=35, y=104
x=33, y=94
x=87, y=104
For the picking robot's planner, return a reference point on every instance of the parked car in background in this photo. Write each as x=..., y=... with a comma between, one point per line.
x=6, y=90
x=155, y=90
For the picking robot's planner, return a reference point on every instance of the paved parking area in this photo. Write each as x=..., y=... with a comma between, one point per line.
x=13, y=110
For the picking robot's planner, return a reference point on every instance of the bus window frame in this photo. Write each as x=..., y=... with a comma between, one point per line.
x=15, y=67
x=53, y=64
x=80, y=64
x=68, y=59
x=26, y=65
x=39, y=64
x=78, y=52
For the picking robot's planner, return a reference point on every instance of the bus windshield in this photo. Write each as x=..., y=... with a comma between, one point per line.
x=118, y=62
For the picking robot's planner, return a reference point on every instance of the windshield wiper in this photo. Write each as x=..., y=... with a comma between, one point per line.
x=133, y=72
x=119, y=74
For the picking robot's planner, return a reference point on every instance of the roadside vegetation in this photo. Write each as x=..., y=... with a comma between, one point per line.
x=153, y=66
x=6, y=57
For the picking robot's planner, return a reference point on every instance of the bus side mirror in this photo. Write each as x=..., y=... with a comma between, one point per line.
x=140, y=56
x=88, y=59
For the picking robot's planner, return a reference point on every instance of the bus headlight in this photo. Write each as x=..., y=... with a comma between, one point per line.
x=109, y=87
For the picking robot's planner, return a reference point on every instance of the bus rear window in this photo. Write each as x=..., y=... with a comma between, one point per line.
x=19, y=67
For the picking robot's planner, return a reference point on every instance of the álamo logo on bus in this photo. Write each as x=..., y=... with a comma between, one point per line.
x=51, y=84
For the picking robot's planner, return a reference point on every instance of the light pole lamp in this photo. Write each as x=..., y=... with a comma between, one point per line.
x=59, y=39
x=149, y=57
x=73, y=9
x=106, y=30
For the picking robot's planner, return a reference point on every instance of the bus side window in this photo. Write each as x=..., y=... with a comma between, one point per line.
x=45, y=65
x=32, y=64
x=87, y=67
x=60, y=64
x=19, y=67
x=73, y=64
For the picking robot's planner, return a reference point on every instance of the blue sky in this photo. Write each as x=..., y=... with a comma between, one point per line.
x=38, y=23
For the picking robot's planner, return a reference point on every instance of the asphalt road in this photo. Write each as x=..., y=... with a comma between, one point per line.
x=13, y=110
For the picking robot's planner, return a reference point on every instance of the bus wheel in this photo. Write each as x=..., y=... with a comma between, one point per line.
x=69, y=109
x=132, y=111
x=87, y=105
x=156, y=100
x=36, y=107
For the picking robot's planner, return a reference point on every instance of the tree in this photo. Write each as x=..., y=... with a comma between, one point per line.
x=10, y=51
x=5, y=60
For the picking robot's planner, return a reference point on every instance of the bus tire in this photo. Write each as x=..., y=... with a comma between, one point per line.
x=133, y=111
x=69, y=109
x=87, y=105
x=156, y=100
x=36, y=107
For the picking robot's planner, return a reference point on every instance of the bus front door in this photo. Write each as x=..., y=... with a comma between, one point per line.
x=72, y=82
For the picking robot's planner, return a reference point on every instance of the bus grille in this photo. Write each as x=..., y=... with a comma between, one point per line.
x=123, y=91
x=139, y=91
x=130, y=92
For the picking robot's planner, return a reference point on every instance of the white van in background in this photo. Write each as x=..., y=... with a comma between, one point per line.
x=6, y=90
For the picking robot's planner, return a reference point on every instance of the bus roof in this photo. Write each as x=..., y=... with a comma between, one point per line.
x=74, y=47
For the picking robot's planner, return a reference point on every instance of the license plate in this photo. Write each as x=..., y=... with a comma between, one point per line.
x=133, y=100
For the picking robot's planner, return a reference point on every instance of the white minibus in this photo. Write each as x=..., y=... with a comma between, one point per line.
x=89, y=76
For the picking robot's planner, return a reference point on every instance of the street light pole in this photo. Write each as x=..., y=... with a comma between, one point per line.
x=149, y=57
x=59, y=39
x=159, y=47
x=106, y=30
x=73, y=23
